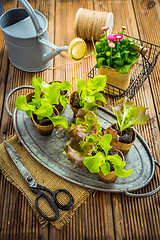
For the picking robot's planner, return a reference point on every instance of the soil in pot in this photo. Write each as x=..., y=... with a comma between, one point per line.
x=126, y=139
x=127, y=134
x=44, y=126
x=74, y=102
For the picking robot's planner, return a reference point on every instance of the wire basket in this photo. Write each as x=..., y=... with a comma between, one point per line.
x=139, y=73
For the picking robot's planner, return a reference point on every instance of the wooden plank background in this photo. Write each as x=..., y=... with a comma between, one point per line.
x=104, y=215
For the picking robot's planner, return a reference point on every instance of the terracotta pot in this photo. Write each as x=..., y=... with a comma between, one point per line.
x=115, y=79
x=43, y=130
x=125, y=147
x=110, y=177
x=59, y=106
x=75, y=110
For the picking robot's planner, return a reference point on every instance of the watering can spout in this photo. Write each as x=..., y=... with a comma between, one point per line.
x=76, y=49
x=58, y=50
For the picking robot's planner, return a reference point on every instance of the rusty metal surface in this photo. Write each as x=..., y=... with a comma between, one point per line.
x=48, y=150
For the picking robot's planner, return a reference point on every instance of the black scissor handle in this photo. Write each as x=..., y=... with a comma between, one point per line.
x=68, y=205
x=51, y=202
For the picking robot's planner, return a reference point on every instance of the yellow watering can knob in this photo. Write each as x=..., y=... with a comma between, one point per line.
x=77, y=49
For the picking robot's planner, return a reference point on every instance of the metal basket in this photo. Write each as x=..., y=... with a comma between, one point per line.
x=139, y=73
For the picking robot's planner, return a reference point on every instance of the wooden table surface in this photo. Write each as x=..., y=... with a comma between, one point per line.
x=103, y=215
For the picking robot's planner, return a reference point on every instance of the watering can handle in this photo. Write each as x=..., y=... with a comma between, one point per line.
x=1, y=7
x=32, y=15
x=29, y=10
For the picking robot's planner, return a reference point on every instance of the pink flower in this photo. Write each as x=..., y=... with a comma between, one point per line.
x=111, y=38
x=111, y=45
x=119, y=37
x=105, y=28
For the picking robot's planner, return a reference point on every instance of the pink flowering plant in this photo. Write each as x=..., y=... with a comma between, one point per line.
x=115, y=51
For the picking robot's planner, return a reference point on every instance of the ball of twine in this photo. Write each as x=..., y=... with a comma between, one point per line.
x=88, y=23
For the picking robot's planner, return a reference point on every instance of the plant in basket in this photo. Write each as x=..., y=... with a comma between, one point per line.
x=127, y=114
x=115, y=57
x=88, y=95
x=89, y=148
x=40, y=106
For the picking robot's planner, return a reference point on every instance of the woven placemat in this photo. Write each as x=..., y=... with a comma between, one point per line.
x=43, y=177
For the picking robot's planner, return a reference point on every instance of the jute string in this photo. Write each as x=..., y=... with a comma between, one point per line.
x=43, y=177
x=89, y=23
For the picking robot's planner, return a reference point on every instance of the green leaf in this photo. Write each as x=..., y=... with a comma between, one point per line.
x=100, y=97
x=98, y=81
x=52, y=94
x=139, y=116
x=105, y=168
x=105, y=143
x=122, y=69
x=93, y=53
x=93, y=163
x=65, y=86
x=45, y=111
x=99, y=62
x=36, y=81
x=81, y=84
x=21, y=104
x=63, y=102
x=128, y=114
x=59, y=120
x=115, y=159
x=120, y=172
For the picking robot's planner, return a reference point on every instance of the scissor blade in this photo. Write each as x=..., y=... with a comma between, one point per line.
x=20, y=165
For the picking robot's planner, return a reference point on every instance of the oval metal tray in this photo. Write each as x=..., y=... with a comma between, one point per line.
x=48, y=150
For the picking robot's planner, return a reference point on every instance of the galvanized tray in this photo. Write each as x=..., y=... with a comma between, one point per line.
x=48, y=150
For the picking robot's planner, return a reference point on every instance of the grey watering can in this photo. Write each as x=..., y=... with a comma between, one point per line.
x=26, y=36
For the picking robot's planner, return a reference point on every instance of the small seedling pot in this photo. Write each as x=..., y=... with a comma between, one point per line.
x=75, y=110
x=43, y=130
x=111, y=176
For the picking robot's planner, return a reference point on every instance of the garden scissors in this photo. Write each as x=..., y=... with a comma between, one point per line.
x=35, y=187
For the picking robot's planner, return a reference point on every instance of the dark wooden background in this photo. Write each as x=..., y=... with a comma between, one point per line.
x=103, y=215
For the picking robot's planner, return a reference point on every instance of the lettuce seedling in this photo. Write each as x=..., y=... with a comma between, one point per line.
x=102, y=161
x=85, y=125
x=90, y=93
x=54, y=89
x=128, y=114
x=43, y=102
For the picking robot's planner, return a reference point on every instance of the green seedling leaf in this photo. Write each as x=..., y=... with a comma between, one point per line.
x=105, y=168
x=128, y=114
x=59, y=120
x=45, y=111
x=93, y=163
x=63, y=101
x=98, y=81
x=105, y=143
x=80, y=84
x=100, y=97
x=64, y=86
x=120, y=172
x=21, y=104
